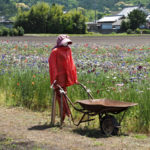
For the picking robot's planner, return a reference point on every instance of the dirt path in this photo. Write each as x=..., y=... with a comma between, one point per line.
x=141, y=40
x=23, y=129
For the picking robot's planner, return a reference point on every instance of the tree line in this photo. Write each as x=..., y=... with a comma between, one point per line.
x=45, y=18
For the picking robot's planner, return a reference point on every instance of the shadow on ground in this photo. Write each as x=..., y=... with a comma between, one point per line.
x=43, y=127
x=93, y=133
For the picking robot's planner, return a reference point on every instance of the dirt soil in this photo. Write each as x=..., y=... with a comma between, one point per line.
x=22, y=129
x=98, y=40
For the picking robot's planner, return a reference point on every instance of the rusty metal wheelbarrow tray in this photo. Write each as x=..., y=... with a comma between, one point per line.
x=108, y=123
x=105, y=105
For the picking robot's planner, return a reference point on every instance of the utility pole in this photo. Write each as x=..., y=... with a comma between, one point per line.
x=95, y=6
x=95, y=16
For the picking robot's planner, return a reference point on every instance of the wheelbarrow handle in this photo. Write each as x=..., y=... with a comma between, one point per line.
x=64, y=93
x=87, y=90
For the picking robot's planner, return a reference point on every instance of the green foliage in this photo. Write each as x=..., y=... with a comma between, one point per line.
x=124, y=26
x=7, y=8
x=100, y=5
x=54, y=20
x=13, y=32
x=42, y=18
x=0, y=32
x=129, y=31
x=137, y=18
x=78, y=23
x=146, y=31
x=5, y=31
x=20, y=31
x=138, y=31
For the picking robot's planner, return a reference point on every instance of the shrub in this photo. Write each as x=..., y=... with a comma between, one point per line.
x=0, y=32
x=129, y=31
x=138, y=31
x=146, y=31
x=5, y=31
x=125, y=25
x=13, y=32
x=20, y=31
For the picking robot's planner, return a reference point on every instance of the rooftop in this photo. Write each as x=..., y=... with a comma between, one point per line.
x=127, y=11
x=117, y=23
x=109, y=18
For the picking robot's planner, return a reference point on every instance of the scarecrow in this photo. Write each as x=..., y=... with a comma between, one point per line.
x=62, y=70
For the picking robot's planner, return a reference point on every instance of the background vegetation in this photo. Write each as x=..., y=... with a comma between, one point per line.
x=42, y=18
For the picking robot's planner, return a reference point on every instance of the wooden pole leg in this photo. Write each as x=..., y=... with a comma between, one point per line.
x=53, y=113
x=61, y=110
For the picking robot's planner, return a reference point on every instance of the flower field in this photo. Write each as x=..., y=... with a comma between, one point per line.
x=114, y=72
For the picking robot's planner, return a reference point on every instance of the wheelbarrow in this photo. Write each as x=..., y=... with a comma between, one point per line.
x=104, y=108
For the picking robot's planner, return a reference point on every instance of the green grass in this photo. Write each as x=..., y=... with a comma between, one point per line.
x=140, y=136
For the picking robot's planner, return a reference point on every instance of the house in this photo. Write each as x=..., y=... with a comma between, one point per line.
x=109, y=24
x=92, y=26
x=148, y=21
x=113, y=23
x=126, y=11
x=6, y=23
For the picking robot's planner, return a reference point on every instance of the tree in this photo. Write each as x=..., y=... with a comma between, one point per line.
x=7, y=8
x=54, y=20
x=38, y=17
x=136, y=18
x=79, y=26
x=125, y=25
x=34, y=20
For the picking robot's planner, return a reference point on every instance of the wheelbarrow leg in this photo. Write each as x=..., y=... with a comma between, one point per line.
x=100, y=117
x=53, y=113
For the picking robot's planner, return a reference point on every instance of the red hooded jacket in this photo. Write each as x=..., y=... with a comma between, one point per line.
x=62, y=67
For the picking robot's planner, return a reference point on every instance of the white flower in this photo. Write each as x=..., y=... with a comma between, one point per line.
x=121, y=84
x=88, y=90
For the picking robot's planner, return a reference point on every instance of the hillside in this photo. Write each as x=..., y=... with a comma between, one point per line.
x=8, y=7
x=101, y=5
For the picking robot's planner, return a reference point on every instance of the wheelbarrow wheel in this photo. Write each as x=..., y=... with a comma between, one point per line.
x=109, y=125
